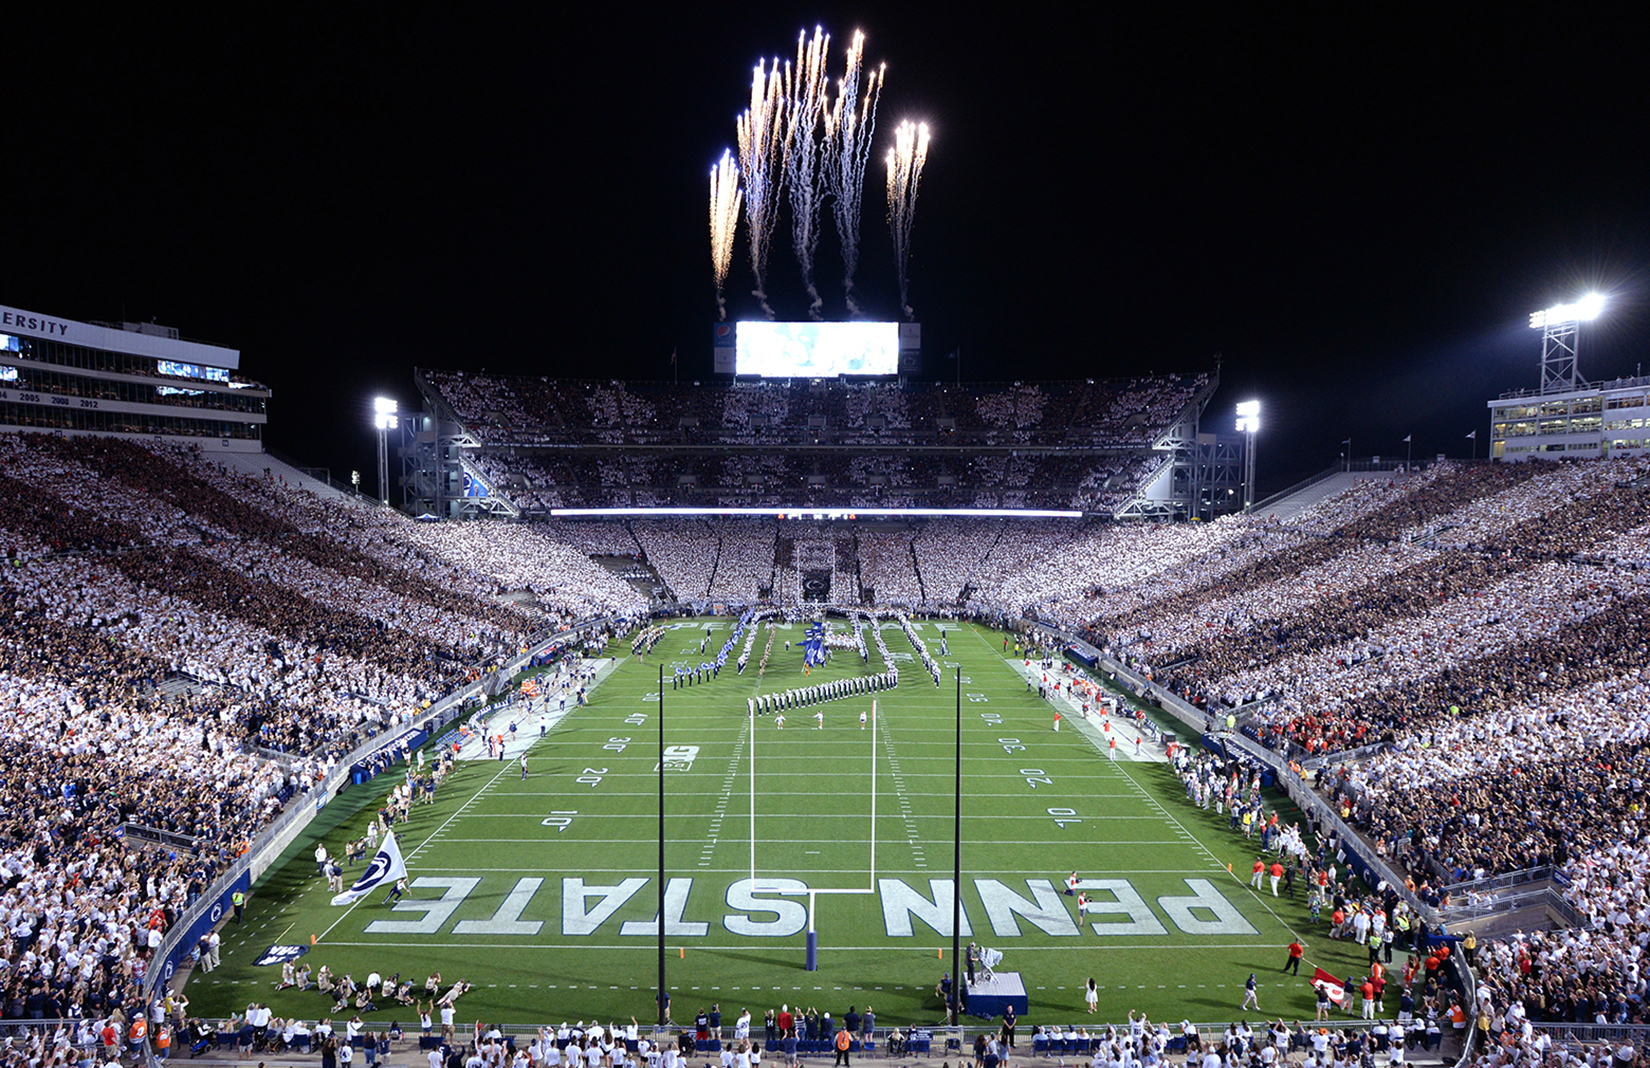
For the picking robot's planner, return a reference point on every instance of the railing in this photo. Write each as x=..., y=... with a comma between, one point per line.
x=321, y=474
x=1377, y=465
x=938, y=1038
x=1628, y=382
x=17, y=1027
x=1329, y=472
x=1544, y=898
x=1344, y=756
x=1550, y=898
x=1310, y=480
x=283, y=759
x=1047, y=442
x=171, y=839
x=18, y=1038
x=1517, y=900
x=1496, y=882
x=1638, y=1034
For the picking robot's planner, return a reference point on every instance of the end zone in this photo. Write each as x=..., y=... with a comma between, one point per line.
x=524, y=719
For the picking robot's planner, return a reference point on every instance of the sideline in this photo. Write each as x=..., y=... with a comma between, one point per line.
x=414, y=852
x=544, y=720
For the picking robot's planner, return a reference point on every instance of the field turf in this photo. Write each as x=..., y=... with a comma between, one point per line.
x=543, y=893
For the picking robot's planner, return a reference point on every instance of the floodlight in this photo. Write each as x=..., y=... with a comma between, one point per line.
x=1584, y=310
x=384, y=420
x=1248, y=422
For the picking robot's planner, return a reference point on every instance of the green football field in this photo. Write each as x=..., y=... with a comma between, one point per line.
x=543, y=892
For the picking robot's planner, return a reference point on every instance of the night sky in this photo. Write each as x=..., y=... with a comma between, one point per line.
x=1358, y=210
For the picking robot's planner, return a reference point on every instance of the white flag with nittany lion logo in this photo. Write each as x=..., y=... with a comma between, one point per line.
x=385, y=868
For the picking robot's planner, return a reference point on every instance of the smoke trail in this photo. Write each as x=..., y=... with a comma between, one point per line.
x=760, y=129
x=905, y=162
x=725, y=199
x=804, y=116
x=848, y=129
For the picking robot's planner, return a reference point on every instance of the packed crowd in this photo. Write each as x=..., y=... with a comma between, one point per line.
x=708, y=429
x=888, y=565
x=504, y=410
x=169, y=625
x=697, y=474
x=745, y=562
x=1483, y=629
x=90, y=776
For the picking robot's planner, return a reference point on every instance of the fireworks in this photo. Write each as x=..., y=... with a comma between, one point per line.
x=804, y=117
x=796, y=139
x=760, y=130
x=905, y=162
x=849, y=125
x=725, y=199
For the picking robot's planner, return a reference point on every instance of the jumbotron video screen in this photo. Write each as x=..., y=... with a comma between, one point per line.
x=816, y=350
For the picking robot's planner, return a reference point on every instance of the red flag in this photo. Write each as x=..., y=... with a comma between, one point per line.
x=1337, y=992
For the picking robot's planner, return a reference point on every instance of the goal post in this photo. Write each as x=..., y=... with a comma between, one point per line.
x=811, y=960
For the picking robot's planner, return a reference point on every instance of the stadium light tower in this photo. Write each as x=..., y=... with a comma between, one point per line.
x=1248, y=421
x=384, y=420
x=1560, y=326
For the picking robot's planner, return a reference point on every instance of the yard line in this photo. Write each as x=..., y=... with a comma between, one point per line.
x=1210, y=853
x=1087, y=795
x=995, y=873
x=408, y=856
x=1084, y=945
x=899, y=792
x=1056, y=842
x=815, y=815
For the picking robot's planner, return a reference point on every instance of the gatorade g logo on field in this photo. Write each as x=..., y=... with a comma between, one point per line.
x=679, y=757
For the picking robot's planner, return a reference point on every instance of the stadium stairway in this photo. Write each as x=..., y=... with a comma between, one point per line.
x=1289, y=507
x=257, y=464
x=642, y=577
x=180, y=686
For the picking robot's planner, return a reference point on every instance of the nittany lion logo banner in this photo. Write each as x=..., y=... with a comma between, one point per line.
x=386, y=867
x=280, y=955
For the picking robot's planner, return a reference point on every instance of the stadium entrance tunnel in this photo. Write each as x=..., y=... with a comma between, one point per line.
x=816, y=585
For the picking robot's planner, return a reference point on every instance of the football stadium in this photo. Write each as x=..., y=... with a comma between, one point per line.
x=805, y=696
x=982, y=725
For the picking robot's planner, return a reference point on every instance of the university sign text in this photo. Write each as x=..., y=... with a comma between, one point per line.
x=774, y=908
